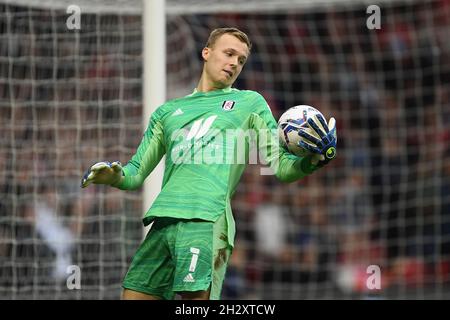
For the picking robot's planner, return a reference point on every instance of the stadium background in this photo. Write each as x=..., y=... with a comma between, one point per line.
x=70, y=98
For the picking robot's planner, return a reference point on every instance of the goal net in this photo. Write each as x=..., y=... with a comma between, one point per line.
x=375, y=223
x=68, y=98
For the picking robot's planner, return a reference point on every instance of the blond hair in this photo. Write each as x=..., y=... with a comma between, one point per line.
x=217, y=33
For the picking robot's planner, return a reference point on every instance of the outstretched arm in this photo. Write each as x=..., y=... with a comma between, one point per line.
x=132, y=176
x=149, y=153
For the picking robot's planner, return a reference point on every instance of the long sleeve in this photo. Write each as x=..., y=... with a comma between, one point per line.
x=286, y=166
x=148, y=154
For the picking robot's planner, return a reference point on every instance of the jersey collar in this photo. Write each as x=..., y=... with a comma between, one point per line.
x=224, y=90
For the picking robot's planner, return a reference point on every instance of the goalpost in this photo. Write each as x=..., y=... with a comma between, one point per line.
x=154, y=34
x=69, y=98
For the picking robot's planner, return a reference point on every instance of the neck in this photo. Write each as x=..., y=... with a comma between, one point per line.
x=205, y=84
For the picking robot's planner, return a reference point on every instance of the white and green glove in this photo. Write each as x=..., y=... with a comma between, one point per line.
x=103, y=173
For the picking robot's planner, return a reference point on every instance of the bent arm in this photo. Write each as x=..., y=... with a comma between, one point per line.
x=286, y=166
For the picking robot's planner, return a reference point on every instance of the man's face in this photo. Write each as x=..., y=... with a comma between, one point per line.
x=225, y=60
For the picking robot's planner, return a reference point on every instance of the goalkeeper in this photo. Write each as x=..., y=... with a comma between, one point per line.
x=187, y=249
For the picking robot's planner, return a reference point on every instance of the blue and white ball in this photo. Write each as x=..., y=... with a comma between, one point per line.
x=291, y=122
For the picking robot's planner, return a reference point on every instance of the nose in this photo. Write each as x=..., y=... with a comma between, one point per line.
x=234, y=62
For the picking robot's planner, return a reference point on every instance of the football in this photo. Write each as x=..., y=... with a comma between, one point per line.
x=291, y=122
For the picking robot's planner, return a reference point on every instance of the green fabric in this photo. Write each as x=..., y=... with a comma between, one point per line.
x=201, y=167
x=180, y=255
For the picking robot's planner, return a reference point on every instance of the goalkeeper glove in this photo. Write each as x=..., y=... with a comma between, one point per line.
x=103, y=173
x=323, y=149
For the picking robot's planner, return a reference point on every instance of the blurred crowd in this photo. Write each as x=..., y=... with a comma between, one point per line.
x=70, y=99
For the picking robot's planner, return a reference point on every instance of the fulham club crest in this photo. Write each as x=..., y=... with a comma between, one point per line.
x=228, y=105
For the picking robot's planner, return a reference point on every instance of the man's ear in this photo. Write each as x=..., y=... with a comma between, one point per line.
x=205, y=53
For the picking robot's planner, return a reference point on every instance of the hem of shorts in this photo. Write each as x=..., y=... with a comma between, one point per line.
x=198, y=287
x=146, y=290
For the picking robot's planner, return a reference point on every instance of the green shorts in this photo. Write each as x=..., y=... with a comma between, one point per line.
x=180, y=255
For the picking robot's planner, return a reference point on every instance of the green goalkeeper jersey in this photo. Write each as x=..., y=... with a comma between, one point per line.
x=207, y=138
